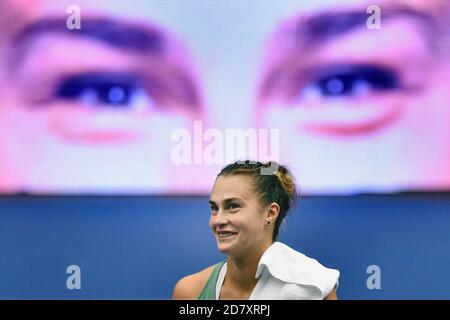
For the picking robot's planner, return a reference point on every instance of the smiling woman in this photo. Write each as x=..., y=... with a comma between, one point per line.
x=247, y=209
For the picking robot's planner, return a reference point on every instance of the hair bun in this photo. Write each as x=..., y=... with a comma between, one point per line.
x=286, y=180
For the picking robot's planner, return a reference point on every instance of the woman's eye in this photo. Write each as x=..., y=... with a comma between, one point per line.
x=103, y=90
x=348, y=81
x=233, y=206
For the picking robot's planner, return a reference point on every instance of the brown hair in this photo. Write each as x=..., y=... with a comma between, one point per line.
x=273, y=183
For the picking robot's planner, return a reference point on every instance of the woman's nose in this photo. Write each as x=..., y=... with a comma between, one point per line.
x=221, y=218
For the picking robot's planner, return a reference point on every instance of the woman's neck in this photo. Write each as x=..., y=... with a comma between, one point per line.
x=241, y=271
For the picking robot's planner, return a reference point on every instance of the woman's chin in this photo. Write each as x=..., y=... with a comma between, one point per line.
x=225, y=247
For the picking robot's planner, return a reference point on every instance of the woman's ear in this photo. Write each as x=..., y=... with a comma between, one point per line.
x=272, y=212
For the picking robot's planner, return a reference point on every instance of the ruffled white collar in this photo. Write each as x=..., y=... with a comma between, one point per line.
x=291, y=266
x=284, y=273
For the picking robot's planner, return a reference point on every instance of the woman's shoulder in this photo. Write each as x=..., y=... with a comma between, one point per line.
x=190, y=287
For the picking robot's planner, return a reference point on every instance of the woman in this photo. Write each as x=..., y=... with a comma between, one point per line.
x=247, y=208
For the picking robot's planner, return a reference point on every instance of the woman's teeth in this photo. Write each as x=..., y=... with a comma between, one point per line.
x=224, y=235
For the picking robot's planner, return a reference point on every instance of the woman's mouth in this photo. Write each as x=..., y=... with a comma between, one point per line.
x=225, y=235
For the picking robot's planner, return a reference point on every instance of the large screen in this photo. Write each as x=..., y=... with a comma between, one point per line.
x=155, y=96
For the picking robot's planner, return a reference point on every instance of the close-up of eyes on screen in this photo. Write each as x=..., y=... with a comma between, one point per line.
x=102, y=97
x=224, y=150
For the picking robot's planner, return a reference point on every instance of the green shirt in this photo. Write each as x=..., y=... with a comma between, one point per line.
x=209, y=290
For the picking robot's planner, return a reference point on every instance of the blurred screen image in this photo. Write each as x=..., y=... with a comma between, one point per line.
x=358, y=94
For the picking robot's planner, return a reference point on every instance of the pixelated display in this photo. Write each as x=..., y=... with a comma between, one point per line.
x=154, y=97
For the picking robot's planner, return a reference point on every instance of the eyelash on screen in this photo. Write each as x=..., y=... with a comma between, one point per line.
x=346, y=80
x=113, y=90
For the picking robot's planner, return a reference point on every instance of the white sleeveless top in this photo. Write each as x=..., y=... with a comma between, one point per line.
x=286, y=274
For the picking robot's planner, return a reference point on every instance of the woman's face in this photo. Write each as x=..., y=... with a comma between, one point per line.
x=237, y=218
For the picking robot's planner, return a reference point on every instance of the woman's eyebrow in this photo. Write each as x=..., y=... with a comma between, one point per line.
x=229, y=200
x=325, y=26
x=225, y=201
x=116, y=33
